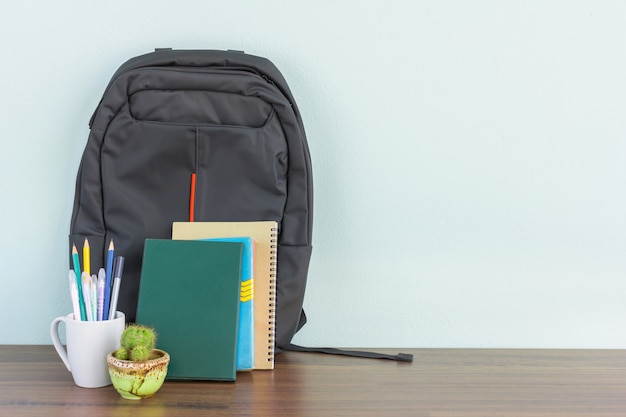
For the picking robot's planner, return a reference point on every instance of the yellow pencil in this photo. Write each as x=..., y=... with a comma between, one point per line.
x=87, y=257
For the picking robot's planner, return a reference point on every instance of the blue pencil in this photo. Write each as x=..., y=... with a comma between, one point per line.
x=109, y=280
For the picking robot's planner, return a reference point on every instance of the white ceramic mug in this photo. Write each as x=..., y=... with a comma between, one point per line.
x=88, y=343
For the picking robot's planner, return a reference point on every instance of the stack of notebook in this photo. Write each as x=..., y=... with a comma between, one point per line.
x=209, y=293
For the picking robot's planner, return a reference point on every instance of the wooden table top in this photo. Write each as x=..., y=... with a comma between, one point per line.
x=439, y=382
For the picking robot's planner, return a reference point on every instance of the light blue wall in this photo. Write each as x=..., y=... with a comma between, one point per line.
x=469, y=158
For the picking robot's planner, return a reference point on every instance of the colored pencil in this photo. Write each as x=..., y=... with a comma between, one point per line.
x=79, y=287
x=109, y=281
x=87, y=258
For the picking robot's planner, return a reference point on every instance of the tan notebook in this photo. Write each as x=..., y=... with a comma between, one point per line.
x=265, y=236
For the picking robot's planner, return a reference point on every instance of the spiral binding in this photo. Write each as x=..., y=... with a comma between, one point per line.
x=272, y=294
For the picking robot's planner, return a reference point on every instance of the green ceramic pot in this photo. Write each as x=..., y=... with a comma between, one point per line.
x=137, y=380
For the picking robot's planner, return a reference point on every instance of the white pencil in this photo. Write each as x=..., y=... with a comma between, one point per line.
x=87, y=294
x=74, y=295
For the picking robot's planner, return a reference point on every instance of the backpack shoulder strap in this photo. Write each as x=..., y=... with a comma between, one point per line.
x=400, y=357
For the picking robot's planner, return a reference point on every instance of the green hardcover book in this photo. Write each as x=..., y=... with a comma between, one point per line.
x=189, y=293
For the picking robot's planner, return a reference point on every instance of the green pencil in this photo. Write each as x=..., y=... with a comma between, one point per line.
x=81, y=300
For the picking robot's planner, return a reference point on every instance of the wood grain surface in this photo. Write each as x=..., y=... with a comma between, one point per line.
x=440, y=382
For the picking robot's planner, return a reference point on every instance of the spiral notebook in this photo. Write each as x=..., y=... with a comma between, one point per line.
x=265, y=235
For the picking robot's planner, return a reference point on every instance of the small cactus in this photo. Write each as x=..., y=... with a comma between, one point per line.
x=137, y=343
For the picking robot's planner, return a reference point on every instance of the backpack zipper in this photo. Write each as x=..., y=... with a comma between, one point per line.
x=241, y=71
x=192, y=192
x=192, y=198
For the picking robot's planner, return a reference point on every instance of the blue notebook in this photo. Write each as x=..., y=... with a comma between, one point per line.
x=245, y=339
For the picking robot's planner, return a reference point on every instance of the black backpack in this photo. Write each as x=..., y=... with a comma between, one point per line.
x=225, y=116
x=230, y=119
